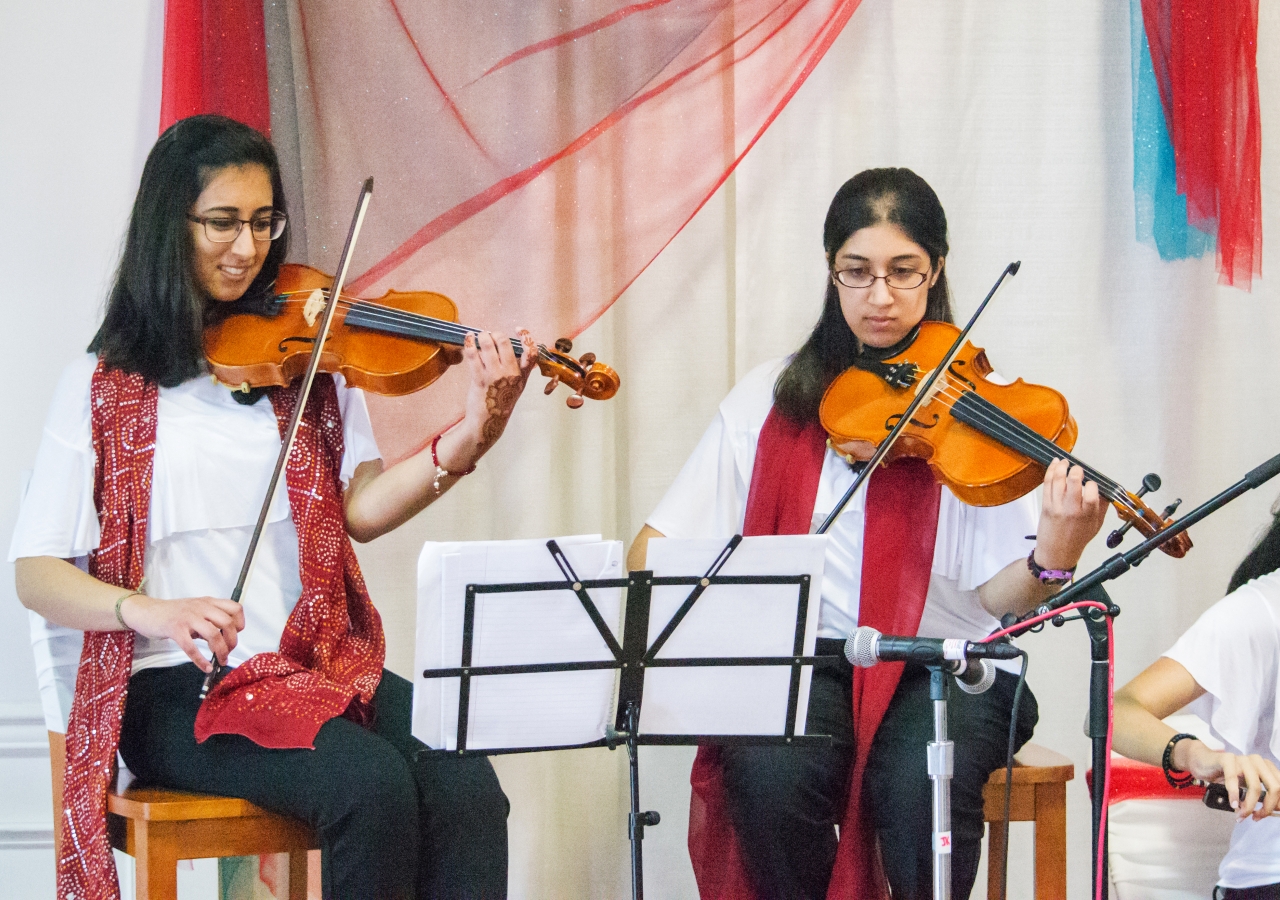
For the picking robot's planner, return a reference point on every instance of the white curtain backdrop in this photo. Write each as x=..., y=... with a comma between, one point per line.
x=1017, y=112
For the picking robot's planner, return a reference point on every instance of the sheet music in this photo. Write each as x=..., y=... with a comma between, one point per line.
x=527, y=710
x=730, y=620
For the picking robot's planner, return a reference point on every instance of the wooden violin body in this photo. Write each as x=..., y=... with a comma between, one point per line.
x=860, y=408
x=988, y=443
x=397, y=344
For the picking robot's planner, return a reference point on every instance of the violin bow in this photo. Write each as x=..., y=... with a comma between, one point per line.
x=304, y=391
x=924, y=392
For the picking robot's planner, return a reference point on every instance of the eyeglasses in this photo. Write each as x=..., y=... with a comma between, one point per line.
x=225, y=229
x=861, y=277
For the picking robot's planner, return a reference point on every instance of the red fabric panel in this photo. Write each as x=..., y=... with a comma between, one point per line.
x=215, y=61
x=1205, y=58
x=901, y=528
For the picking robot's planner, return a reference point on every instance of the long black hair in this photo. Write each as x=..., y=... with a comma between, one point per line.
x=899, y=197
x=1263, y=558
x=156, y=312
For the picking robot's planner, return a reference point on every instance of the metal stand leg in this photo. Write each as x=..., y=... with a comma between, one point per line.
x=638, y=819
x=1096, y=625
x=941, y=766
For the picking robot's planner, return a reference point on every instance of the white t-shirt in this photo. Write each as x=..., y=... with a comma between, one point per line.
x=1233, y=652
x=213, y=460
x=709, y=499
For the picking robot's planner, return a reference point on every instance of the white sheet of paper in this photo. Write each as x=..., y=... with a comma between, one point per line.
x=513, y=711
x=730, y=620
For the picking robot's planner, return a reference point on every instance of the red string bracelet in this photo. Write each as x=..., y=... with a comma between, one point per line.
x=441, y=471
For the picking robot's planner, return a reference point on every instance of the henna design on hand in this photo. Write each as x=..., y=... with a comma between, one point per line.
x=499, y=402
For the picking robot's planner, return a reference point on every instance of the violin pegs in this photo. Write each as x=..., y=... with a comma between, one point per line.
x=551, y=384
x=564, y=345
x=587, y=360
x=574, y=402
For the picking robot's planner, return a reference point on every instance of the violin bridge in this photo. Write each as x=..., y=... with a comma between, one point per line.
x=313, y=307
x=933, y=389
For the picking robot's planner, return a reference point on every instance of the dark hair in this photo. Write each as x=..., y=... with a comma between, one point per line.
x=897, y=196
x=156, y=312
x=1263, y=558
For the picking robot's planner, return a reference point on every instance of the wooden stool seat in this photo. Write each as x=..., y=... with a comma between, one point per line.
x=158, y=827
x=1038, y=794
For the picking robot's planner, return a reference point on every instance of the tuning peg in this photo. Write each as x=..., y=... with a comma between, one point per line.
x=1150, y=482
x=551, y=384
x=564, y=345
x=587, y=360
x=575, y=401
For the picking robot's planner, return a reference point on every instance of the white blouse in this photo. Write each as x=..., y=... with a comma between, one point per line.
x=213, y=460
x=1233, y=652
x=709, y=499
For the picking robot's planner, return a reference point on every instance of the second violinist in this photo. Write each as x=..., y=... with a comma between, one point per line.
x=906, y=557
x=147, y=486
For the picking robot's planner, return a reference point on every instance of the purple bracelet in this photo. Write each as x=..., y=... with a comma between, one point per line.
x=1049, y=576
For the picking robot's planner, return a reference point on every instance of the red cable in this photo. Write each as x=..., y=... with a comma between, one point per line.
x=1111, y=674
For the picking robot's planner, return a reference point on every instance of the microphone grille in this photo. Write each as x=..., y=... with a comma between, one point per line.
x=860, y=649
x=983, y=682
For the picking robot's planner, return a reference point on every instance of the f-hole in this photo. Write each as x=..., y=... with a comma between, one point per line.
x=302, y=340
x=892, y=421
x=953, y=370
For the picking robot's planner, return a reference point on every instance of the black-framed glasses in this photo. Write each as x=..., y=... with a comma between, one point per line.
x=225, y=229
x=861, y=277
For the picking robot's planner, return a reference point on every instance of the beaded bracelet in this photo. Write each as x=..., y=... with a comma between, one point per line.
x=1166, y=763
x=441, y=471
x=1048, y=576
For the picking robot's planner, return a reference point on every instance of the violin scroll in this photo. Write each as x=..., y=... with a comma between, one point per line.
x=584, y=376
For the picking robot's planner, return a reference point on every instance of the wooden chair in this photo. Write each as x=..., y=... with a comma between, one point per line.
x=158, y=827
x=1039, y=795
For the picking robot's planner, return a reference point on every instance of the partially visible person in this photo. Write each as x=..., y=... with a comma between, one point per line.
x=1225, y=668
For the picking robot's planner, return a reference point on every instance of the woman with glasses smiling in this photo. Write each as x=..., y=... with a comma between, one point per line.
x=146, y=489
x=906, y=557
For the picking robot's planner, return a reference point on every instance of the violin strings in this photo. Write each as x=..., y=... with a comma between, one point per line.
x=991, y=419
x=975, y=410
x=387, y=315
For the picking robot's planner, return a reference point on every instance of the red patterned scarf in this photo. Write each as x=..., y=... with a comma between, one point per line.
x=901, y=523
x=331, y=653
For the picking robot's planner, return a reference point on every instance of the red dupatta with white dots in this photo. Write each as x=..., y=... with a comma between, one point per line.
x=331, y=653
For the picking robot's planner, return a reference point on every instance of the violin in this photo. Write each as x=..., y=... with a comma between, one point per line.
x=988, y=443
x=396, y=344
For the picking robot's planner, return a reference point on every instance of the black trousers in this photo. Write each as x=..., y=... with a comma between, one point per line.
x=1262, y=892
x=390, y=826
x=785, y=802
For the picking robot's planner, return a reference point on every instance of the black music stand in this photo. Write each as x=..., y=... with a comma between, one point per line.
x=632, y=658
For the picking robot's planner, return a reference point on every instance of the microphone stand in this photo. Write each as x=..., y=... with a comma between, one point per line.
x=941, y=761
x=1090, y=588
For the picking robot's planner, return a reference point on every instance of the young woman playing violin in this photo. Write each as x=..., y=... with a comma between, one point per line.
x=147, y=485
x=906, y=557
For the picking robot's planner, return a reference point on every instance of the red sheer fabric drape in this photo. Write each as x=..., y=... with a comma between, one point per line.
x=215, y=60
x=529, y=158
x=1205, y=58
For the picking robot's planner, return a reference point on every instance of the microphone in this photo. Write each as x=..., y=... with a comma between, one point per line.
x=866, y=647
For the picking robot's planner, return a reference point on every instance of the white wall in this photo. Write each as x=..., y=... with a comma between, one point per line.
x=80, y=110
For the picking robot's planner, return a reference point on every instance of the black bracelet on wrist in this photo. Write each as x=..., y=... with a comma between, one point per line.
x=1182, y=779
